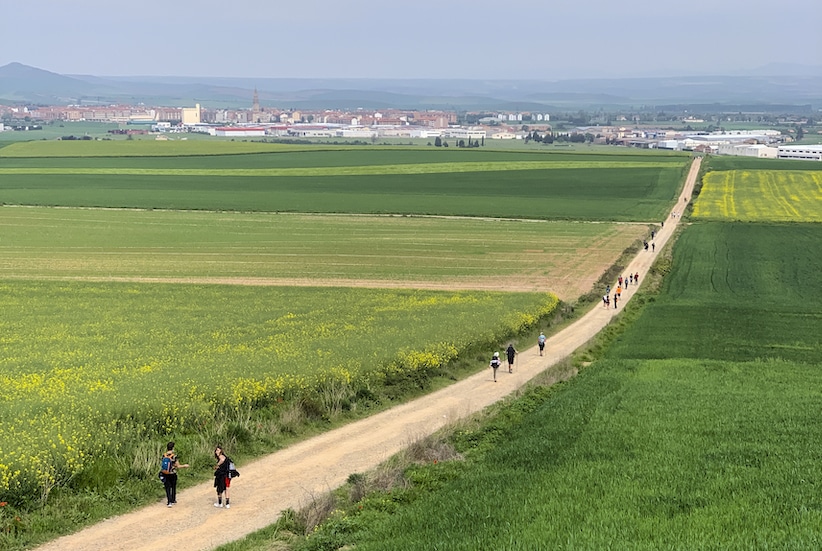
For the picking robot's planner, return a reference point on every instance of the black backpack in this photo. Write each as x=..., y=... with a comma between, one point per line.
x=232, y=471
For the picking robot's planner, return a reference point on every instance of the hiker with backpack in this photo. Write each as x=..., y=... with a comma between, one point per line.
x=494, y=365
x=511, y=352
x=541, y=342
x=224, y=471
x=168, y=473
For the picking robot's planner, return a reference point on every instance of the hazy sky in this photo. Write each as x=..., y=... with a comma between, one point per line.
x=523, y=39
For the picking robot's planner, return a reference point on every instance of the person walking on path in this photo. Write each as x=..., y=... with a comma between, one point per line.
x=495, y=363
x=222, y=477
x=512, y=354
x=168, y=469
x=616, y=297
x=636, y=278
x=605, y=300
x=653, y=246
x=541, y=342
x=619, y=290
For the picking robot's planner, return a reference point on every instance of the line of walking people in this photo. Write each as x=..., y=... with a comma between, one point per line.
x=512, y=352
x=631, y=279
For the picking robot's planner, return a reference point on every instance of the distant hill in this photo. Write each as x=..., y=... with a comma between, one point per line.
x=21, y=83
x=802, y=87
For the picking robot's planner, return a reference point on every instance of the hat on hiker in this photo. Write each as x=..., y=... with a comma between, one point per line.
x=496, y=354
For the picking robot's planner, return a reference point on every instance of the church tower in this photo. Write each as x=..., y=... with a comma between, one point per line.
x=255, y=106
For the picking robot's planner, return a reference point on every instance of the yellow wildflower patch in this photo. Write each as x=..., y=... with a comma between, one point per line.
x=761, y=196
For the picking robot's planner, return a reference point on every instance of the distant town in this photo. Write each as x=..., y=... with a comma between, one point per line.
x=441, y=128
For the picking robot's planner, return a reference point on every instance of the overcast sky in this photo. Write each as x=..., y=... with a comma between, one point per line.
x=496, y=39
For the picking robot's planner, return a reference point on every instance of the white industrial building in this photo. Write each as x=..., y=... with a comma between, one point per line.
x=238, y=131
x=800, y=152
x=357, y=132
x=466, y=133
x=669, y=144
x=726, y=138
x=314, y=130
x=760, y=151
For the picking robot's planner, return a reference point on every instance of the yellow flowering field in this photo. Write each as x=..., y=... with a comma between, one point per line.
x=85, y=367
x=761, y=195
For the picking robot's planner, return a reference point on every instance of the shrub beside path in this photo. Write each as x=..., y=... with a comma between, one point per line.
x=288, y=478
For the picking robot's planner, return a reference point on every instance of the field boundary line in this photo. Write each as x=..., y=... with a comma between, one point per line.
x=334, y=214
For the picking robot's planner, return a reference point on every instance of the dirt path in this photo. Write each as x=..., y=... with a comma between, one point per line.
x=289, y=477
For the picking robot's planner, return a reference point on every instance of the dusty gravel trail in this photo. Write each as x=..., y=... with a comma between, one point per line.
x=287, y=478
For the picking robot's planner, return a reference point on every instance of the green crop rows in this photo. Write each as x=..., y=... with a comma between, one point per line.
x=744, y=291
x=465, y=183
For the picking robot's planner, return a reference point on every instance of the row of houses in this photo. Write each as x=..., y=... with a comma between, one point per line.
x=309, y=131
x=144, y=115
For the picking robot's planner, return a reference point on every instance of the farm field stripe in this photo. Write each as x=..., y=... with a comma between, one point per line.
x=761, y=196
x=155, y=149
x=730, y=199
x=461, y=252
x=185, y=148
x=420, y=168
x=513, y=285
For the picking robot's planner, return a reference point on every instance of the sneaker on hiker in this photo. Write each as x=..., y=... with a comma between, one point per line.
x=168, y=505
x=218, y=504
x=227, y=506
